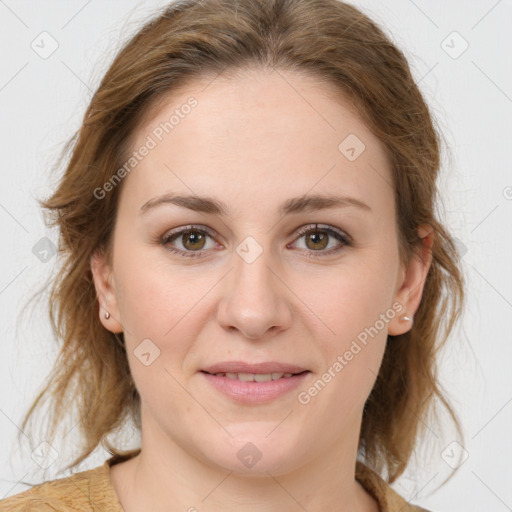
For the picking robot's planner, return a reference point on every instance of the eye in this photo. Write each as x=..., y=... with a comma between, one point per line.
x=317, y=239
x=192, y=238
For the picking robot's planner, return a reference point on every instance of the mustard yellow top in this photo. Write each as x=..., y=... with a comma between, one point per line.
x=92, y=491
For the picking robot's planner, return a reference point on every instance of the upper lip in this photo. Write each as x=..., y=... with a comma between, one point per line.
x=242, y=367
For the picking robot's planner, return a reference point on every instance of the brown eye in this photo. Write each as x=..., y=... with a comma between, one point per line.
x=193, y=240
x=318, y=239
x=323, y=241
x=189, y=241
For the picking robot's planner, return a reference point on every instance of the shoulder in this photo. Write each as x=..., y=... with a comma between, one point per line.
x=79, y=492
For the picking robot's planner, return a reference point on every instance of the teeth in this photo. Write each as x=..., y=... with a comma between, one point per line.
x=255, y=377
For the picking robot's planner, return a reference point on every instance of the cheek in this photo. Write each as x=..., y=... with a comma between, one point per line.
x=353, y=296
x=152, y=295
x=158, y=330
x=163, y=305
x=352, y=343
x=352, y=312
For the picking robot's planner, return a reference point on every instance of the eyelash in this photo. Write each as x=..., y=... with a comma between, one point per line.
x=338, y=235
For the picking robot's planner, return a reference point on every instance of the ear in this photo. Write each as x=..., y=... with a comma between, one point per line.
x=105, y=292
x=413, y=277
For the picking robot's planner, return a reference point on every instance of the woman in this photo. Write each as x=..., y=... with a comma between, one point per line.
x=253, y=267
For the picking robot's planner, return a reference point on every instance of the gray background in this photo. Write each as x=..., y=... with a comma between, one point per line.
x=42, y=100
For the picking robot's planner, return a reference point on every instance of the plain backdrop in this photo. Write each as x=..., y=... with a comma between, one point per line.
x=52, y=56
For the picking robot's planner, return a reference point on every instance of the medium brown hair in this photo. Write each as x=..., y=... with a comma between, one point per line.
x=339, y=45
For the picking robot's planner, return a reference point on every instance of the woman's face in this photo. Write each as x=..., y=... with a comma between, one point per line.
x=248, y=264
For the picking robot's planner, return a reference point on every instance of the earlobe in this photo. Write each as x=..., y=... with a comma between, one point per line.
x=105, y=292
x=413, y=281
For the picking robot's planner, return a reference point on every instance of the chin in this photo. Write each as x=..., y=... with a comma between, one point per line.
x=258, y=454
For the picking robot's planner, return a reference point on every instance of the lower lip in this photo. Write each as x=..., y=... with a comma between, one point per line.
x=255, y=392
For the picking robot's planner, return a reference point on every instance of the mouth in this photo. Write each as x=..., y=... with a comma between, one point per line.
x=241, y=367
x=255, y=377
x=254, y=383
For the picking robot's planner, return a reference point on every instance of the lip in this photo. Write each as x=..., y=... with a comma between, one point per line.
x=243, y=367
x=254, y=392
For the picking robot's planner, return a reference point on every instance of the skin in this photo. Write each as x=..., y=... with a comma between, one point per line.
x=252, y=142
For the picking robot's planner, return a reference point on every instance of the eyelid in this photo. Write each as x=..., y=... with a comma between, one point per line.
x=324, y=227
x=344, y=238
x=190, y=227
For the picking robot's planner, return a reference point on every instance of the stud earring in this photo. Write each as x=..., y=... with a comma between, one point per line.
x=107, y=315
x=406, y=318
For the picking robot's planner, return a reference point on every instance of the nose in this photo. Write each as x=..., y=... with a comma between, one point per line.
x=255, y=300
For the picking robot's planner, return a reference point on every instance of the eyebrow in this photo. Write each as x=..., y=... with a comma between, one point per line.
x=294, y=205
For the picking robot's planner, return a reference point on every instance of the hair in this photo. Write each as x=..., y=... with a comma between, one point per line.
x=340, y=46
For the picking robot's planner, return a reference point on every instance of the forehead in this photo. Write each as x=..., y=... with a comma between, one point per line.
x=266, y=128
